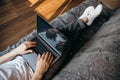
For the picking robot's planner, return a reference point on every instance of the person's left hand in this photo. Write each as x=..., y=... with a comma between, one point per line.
x=43, y=63
x=25, y=47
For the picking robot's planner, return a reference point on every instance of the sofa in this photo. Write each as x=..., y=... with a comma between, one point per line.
x=94, y=54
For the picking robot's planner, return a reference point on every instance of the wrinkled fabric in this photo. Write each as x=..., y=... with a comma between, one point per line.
x=17, y=69
x=99, y=58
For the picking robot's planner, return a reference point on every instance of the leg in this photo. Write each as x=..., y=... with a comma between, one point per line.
x=72, y=28
x=69, y=29
x=86, y=19
x=73, y=14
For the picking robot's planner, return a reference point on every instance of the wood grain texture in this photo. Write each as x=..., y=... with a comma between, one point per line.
x=18, y=17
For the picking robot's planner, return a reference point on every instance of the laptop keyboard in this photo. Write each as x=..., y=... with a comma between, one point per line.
x=40, y=48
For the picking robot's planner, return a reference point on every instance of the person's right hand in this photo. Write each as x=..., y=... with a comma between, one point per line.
x=43, y=63
x=24, y=48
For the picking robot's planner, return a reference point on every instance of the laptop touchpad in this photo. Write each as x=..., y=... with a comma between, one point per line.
x=31, y=59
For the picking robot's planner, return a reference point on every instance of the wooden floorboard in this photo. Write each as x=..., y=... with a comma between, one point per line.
x=18, y=17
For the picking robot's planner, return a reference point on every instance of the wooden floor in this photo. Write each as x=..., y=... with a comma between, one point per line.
x=18, y=17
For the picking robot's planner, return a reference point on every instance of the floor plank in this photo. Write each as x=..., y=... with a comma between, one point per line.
x=18, y=17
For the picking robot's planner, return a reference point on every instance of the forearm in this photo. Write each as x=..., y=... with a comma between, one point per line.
x=24, y=48
x=36, y=77
x=7, y=57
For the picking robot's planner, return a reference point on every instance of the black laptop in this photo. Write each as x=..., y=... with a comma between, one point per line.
x=48, y=39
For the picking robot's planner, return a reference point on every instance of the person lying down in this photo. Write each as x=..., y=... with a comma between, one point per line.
x=14, y=67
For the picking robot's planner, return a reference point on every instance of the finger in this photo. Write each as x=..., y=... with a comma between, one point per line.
x=49, y=56
x=43, y=55
x=50, y=61
x=46, y=56
x=30, y=46
x=39, y=56
x=30, y=42
x=28, y=51
x=27, y=42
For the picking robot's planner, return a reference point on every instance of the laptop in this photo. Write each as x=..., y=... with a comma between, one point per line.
x=48, y=39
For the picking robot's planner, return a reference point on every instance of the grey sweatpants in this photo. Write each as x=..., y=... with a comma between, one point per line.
x=77, y=25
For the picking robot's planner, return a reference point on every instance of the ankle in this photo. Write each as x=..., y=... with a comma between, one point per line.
x=85, y=19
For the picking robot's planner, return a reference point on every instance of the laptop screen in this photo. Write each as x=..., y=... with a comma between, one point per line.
x=51, y=36
x=42, y=25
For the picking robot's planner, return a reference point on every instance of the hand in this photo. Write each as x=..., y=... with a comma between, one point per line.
x=43, y=63
x=25, y=47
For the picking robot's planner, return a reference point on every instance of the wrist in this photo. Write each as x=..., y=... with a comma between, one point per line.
x=16, y=52
x=37, y=76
